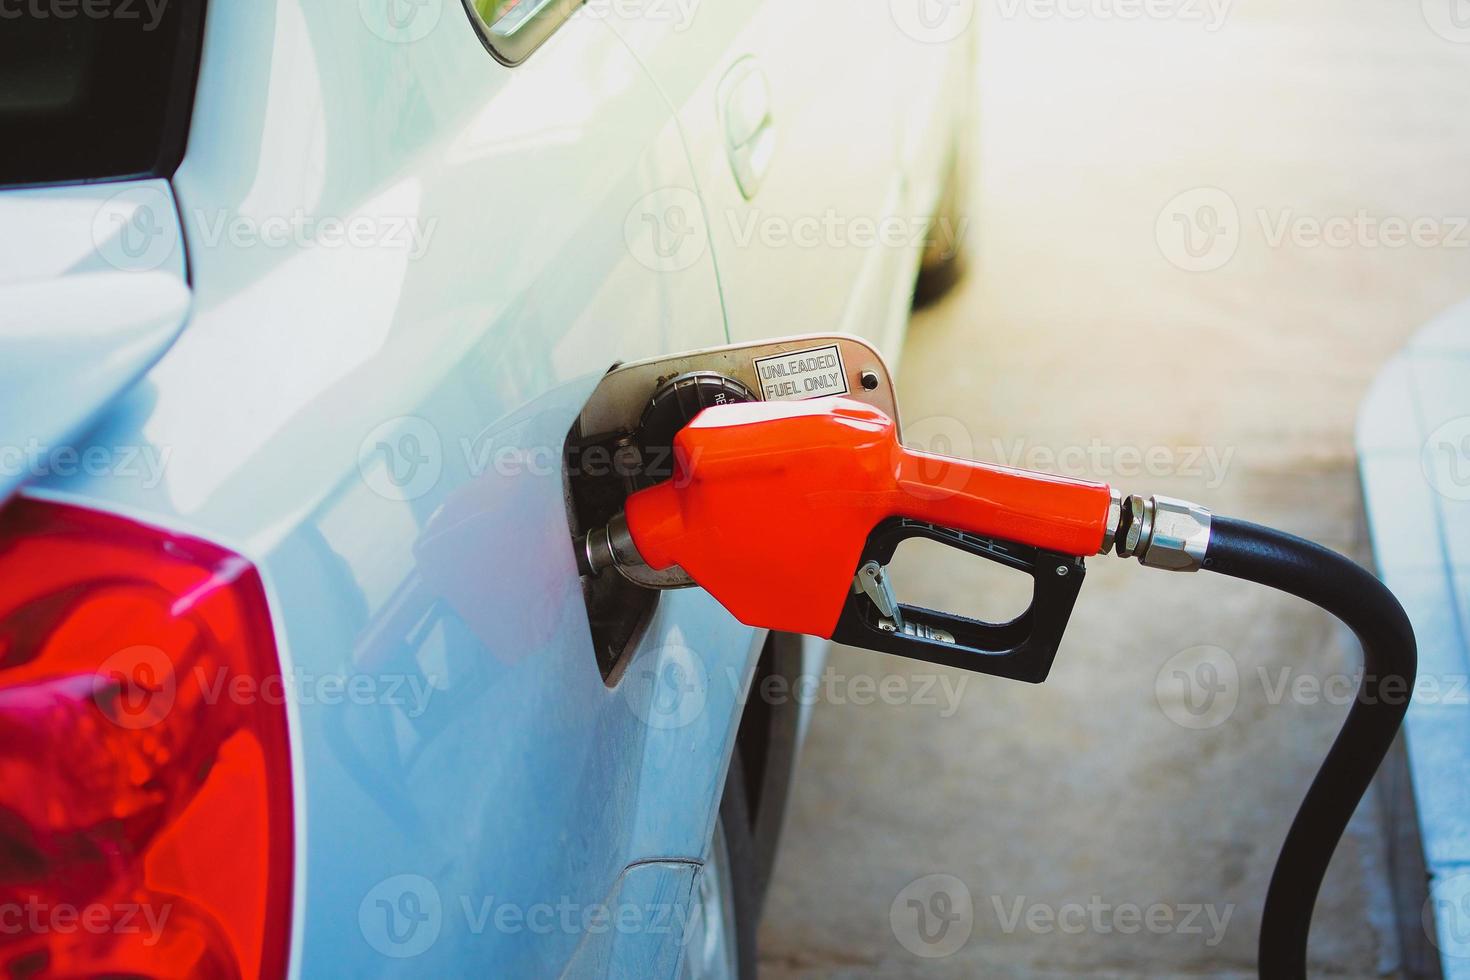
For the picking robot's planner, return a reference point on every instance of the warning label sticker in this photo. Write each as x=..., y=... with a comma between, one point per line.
x=802, y=374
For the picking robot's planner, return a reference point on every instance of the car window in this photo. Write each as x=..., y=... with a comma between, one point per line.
x=512, y=29
x=97, y=90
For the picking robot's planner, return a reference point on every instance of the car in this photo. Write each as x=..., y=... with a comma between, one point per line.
x=298, y=304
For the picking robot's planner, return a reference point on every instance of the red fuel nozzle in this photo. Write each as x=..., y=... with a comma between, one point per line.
x=773, y=505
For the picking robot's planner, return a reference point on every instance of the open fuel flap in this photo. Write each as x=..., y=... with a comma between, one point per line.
x=623, y=442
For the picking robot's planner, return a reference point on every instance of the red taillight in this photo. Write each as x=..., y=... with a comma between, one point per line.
x=145, y=790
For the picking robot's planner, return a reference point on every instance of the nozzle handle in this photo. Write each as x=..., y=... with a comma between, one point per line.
x=1022, y=649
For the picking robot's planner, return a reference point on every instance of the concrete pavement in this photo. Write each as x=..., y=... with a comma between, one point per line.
x=1115, y=323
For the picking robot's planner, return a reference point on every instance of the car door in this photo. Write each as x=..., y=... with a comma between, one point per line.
x=932, y=45
x=789, y=112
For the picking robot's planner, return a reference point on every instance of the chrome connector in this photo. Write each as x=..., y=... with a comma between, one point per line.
x=1162, y=532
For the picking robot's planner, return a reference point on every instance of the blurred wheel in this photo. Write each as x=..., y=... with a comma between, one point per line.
x=944, y=260
x=721, y=941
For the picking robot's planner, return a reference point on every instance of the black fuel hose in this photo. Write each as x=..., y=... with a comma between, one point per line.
x=1293, y=565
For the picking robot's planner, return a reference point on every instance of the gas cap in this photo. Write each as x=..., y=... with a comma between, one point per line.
x=674, y=406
